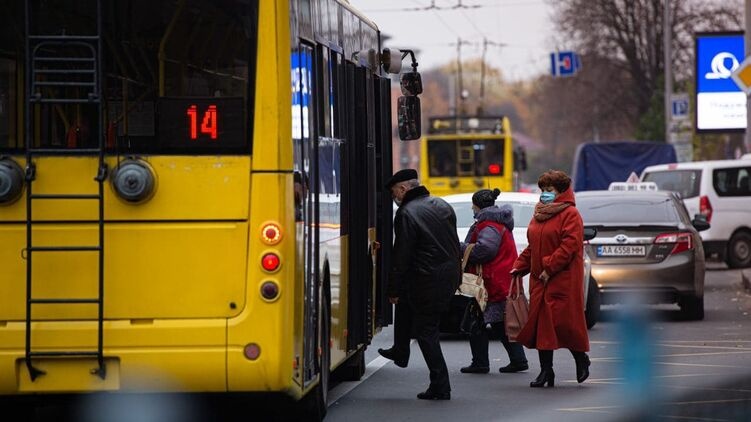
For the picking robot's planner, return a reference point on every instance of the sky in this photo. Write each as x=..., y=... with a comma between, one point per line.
x=524, y=27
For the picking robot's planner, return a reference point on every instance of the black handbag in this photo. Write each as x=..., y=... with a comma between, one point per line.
x=472, y=320
x=463, y=316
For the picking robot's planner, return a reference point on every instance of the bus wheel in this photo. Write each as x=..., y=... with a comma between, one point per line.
x=315, y=403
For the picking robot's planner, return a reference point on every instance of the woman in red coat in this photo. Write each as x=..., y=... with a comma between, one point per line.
x=556, y=266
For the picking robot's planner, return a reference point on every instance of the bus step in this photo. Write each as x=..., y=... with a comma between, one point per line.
x=63, y=353
x=64, y=38
x=64, y=83
x=64, y=248
x=90, y=100
x=64, y=151
x=64, y=196
x=49, y=301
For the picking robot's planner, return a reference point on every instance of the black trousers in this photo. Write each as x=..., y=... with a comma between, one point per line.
x=480, y=340
x=424, y=327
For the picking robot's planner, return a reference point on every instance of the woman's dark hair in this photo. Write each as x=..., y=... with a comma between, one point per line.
x=555, y=178
x=484, y=198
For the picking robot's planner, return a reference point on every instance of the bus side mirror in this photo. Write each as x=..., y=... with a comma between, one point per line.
x=408, y=113
x=411, y=83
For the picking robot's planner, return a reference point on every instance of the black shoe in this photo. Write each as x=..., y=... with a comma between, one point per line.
x=582, y=369
x=429, y=395
x=389, y=354
x=546, y=376
x=513, y=367
x=472, y=369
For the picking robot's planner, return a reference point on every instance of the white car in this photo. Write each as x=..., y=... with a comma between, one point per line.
x=721, y=191
x=523, y=205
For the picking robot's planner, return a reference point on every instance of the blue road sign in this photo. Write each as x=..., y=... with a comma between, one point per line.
x=564, y=63
x=679, y=104
x=720, y=103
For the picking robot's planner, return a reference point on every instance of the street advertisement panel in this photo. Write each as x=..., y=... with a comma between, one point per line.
x=720, y=103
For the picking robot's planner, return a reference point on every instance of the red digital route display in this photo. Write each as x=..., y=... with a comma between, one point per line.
x=208, y=122
x=212, y=123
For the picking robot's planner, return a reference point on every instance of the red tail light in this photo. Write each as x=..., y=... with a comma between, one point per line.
x=494, y=168
x=682, y=241
x=270, y=262
x=705, y=208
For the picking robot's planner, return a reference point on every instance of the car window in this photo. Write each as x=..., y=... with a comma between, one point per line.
x=611, y=209
x=522, y=213
x=685, y=182
x=732, y=181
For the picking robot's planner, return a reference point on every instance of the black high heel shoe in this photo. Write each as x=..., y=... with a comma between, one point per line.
x=582, y=368
x=546, y=376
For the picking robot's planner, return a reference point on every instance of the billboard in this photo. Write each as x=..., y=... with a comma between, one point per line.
x=720, y=103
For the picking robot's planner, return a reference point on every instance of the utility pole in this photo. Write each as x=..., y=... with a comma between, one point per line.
x=666, y=39
x=482, y=77
x=485, y=44
x=747, y=43
x=460, y=94
x=460, y=85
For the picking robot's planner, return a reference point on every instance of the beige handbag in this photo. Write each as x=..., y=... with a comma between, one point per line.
x=517, y=309
x=472, y=284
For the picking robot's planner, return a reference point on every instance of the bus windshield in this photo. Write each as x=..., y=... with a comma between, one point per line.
x=174, y=78
x=466, y=157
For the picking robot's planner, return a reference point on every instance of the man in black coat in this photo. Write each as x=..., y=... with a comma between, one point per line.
x=426, y=272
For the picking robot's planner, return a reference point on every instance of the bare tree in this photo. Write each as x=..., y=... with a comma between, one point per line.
x=629, y=34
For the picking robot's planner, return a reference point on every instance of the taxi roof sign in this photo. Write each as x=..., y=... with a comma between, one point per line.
x=633, y=187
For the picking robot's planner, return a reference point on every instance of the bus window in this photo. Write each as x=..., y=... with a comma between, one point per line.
x=171, y=83
x=466, y=157
x=442, y=158
x=490, y=161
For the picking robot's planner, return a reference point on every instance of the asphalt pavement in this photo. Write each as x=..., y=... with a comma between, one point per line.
x=647, y=364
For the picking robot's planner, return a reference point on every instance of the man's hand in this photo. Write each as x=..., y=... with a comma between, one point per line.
x=394, y=300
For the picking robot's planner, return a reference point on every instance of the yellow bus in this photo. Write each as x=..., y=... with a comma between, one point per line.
x=191, y=196
x=464, y=154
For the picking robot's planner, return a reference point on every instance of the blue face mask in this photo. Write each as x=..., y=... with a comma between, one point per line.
x=547, y=197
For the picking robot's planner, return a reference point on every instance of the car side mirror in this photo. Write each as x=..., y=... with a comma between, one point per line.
x=590, y=233
x=700, y=222
x=408, y=113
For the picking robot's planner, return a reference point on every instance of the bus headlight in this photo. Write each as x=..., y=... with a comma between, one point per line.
x=134, y=181
x=11, y=181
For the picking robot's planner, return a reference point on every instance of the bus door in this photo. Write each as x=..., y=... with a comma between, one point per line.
x=360, y=186
x=384, y=219
x=305, y=131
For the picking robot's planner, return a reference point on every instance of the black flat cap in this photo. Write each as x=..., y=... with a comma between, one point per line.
x=401, y=176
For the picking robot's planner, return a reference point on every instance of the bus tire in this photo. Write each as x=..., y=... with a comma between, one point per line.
x=315, y=403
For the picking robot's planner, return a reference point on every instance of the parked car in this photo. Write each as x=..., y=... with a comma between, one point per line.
x=523, y=205
x=646, y=244
x=721, y=191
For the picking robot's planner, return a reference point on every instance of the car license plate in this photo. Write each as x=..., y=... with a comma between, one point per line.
x=621, y=250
